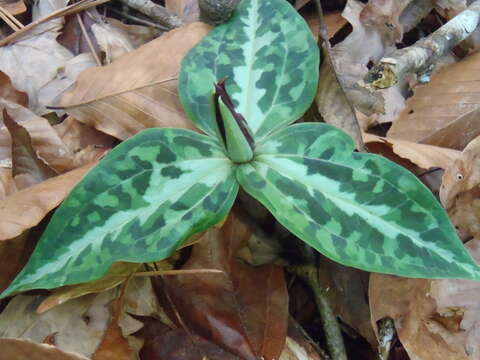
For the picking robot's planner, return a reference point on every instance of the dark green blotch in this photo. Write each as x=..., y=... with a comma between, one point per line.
x=140, y=183
x=146, y=165
x=172, y=171
x=203, y=148
x=179, y=206
x=165, y=155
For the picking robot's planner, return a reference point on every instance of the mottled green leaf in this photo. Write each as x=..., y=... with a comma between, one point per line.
x=270, y=62
x=358, y=209
x=149, y=194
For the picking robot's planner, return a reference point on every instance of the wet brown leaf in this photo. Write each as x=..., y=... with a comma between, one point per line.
x=22, y=349
x=443, y=112
x=245, y=309
x=28, y=207
x=120, y=102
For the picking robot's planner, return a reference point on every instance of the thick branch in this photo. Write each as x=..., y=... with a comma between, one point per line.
x=422, y=56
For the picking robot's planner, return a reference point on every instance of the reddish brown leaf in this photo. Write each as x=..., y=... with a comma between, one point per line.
x=245, y=309
x=9, y=93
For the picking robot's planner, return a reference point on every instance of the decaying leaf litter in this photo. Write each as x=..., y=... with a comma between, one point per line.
x=112, y=71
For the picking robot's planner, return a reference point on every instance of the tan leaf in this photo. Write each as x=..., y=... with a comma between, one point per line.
x=21, y=349
x=46, y=142
x=14, y=7
x=9, y=93
x=42, y=58
x=188, y=10
x=27, y=168
x=424, y=156
x=121, y=102
x=462, y=175
x=137, y=34
x=28, y=207
x=112, y=41
x=443, y=112
x=118, y=273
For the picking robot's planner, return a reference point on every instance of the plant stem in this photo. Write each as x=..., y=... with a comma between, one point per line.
x=421, y=57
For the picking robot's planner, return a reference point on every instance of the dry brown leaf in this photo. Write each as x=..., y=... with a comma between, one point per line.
x=462, y=175
x=424, y=156
x=465, y=215
x=426, y=312
x=9, y=93
x=28, y=207
x=22, y=349
x=7, y=184
x=113, y=41
x=120, y=102
x=443, y=112
x=13, y=7
x=114, y=345
x=41, y=55
x=118, y=274
x=27, y=168
x=47, y=144
x=137, y=34
x=187, y=10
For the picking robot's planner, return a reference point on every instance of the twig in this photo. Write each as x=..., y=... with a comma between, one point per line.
x=89, y=41
x=68, y=10
x=421, y=57
x=10, y=20
x=309, y=273
x=155, y=12
x=138, y=20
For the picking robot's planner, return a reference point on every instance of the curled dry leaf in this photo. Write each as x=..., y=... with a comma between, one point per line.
x=434, y=319
x=27, y=168
x=445, y=111
x=138, y=90
x=462, y=175
x=245, y=309
x=10, y=93
x=25, y=349
x=111, y=40
x=187, y=10
x=28, y=207
x=137, y=34
x=424, y=156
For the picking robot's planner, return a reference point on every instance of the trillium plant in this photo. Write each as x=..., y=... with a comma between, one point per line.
x=243, y=85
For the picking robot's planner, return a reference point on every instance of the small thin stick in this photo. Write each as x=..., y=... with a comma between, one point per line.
x=178, y=272
x=156, y=12
x=89, y=41
x=10, y=20
x=68, y=10
x=421, y=57
x=138, y=20
x=5, y=15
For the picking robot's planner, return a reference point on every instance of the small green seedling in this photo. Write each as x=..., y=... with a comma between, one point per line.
x=242, y=85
